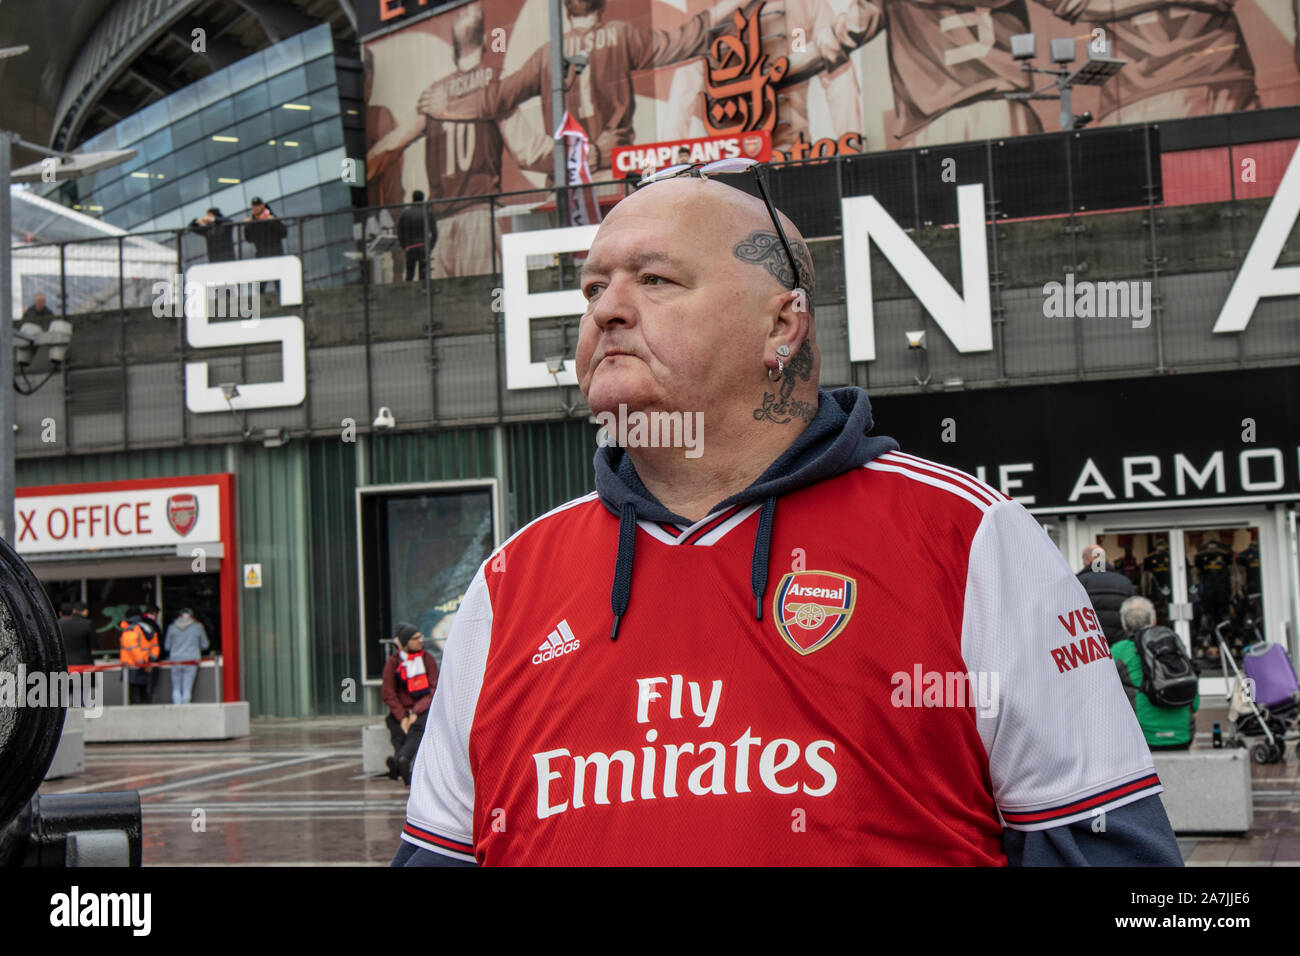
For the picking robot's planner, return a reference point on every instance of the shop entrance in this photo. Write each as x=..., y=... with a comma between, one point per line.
x=1197, y=578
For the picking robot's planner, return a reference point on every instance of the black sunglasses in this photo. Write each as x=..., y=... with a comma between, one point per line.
x=737, y=165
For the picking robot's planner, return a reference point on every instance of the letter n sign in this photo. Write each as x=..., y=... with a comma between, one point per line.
x=522, y=306
x=964, y=318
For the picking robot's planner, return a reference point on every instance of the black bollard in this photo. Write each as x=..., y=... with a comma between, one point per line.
x=83, y=829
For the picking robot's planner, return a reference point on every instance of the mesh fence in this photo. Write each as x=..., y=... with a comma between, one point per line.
x=403, y=305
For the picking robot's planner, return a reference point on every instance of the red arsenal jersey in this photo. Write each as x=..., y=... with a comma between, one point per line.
x=462, y=159
x=927, y=671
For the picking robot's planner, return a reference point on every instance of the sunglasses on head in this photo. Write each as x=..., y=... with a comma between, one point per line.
x=723, y=167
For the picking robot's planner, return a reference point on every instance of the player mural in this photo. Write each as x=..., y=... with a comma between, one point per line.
x=470, y=87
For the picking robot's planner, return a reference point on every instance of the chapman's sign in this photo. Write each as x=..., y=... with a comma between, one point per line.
x=966, y=318
x=115, y=519
x=706, y=149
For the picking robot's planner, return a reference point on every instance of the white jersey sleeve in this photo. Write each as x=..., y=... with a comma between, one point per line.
x=440, y=810
x=1063, y=743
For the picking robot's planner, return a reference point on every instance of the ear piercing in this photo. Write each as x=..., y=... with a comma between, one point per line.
x=780, y=365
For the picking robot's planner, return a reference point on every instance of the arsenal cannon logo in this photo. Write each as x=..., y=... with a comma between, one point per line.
x=182, y=512
x=812, y=607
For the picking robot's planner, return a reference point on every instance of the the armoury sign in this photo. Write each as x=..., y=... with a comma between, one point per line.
x=115, y=519
x=965, y=317
x=458, y=104
x=1156, y=442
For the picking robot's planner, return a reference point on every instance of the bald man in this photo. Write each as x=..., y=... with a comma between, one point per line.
x=1107, y=590
x=776, y=639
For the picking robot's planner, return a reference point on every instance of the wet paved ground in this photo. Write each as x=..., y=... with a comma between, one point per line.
x=293, y=793
x=1274, y=840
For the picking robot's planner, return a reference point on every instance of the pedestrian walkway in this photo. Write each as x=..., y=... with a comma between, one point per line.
x=290, y=794
x=1274, y=840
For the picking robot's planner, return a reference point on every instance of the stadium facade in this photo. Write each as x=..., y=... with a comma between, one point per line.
x=1111, y=314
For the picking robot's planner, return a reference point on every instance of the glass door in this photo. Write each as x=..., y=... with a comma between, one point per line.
x=1223, y=568
x=1198, y=578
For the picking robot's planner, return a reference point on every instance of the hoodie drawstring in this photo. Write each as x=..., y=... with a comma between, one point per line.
x=762, y=548
x=622, y=591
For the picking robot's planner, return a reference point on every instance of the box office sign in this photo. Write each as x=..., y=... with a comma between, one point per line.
x=133, y=518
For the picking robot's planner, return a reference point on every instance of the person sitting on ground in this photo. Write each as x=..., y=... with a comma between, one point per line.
x=1165, y=728
x=410, y=678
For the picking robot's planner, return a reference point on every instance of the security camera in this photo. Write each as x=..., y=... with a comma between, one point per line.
x=1022, y=46
x=385, y=420
x=26, y=341
x=58, y=337
x=275, y=437
x=915, y=340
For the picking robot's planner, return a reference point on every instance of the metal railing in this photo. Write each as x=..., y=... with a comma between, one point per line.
x=1090, y=205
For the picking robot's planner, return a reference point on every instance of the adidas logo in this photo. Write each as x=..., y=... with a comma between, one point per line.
x=558, y=643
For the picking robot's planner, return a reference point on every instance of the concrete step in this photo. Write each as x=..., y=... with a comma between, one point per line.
x=156, y=722
x=1206, y=791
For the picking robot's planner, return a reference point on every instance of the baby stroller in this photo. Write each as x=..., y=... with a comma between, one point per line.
x=1264, y=702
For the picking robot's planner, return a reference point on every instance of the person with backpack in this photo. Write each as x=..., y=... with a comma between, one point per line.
x=1158, y=677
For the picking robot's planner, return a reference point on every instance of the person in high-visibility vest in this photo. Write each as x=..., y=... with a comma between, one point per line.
x=138, y=650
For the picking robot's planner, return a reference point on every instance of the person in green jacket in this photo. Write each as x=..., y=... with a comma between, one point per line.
x=1165, y=728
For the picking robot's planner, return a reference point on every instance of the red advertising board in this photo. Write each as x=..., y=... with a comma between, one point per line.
x=703, y=149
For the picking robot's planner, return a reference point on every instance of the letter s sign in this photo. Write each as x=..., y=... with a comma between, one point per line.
x=285, y=329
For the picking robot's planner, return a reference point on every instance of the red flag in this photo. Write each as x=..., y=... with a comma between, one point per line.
x=583, y=209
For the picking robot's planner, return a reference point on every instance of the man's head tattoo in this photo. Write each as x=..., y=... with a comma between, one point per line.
x=764, y=249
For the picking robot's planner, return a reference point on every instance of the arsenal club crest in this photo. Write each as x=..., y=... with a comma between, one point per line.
x=812, y=607
x=182, y=513
x=752, y=145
